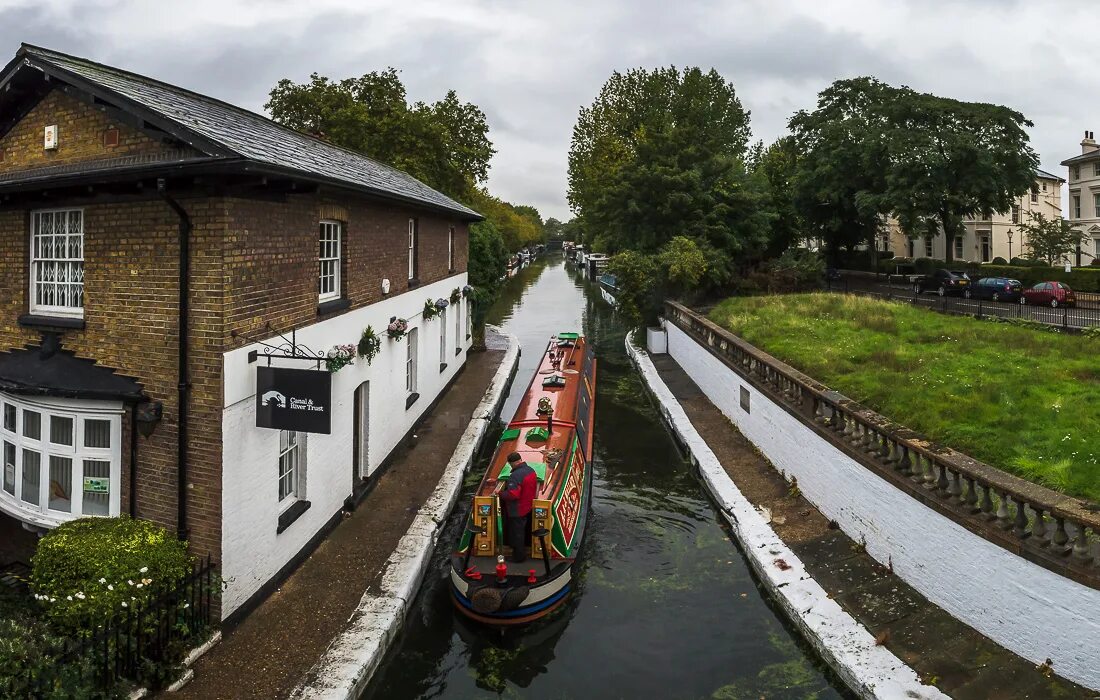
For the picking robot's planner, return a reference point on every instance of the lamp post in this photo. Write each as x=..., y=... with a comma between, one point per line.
x=1010, y=245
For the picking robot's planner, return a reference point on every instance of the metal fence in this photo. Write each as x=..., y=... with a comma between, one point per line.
x=1066, y=318
x=141, y=647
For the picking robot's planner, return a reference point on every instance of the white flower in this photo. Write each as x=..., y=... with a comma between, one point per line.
x=140, y=585
x=103, y=580
x=129, y=582
x=68, y=597
x=80, y=595
x=125, y=604
x=110, y=587
x=143, y=569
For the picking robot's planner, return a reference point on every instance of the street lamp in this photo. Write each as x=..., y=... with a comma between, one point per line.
x=1010, y=245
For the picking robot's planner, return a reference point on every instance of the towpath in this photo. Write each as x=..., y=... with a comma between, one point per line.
x=945, y=652
x=277, y=644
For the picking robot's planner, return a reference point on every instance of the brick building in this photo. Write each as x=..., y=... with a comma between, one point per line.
x=157, y=249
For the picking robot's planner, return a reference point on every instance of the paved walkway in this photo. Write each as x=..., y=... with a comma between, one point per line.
x=947, y=653
x=276, y=645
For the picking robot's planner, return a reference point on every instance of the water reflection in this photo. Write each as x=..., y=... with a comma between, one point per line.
x=664, y=605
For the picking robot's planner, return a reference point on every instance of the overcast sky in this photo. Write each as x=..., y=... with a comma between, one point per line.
x=531, y=65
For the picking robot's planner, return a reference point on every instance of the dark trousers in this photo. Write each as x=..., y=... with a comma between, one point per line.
x=517, y=532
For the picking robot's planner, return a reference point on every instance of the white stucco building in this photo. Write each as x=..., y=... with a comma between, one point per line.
x=1084, y=196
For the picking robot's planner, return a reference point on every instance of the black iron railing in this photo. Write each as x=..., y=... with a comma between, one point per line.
x=139, y=647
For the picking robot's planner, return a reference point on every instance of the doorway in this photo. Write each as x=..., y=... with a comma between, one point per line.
x=362, y=432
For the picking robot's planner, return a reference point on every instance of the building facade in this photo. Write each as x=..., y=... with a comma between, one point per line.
x=157, y=248
x=999, y=236
x=1084, y=196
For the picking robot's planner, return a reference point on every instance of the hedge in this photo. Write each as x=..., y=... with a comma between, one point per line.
x=1081, y=279
x=85, y=571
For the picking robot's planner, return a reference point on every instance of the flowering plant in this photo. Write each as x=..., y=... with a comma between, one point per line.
x=369, y=344
x=456, y=294
x=397, y=328
x=339, y=357
x=467, y=290
x=430, y=310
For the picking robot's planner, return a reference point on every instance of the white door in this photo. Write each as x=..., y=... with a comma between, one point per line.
x=362, y=430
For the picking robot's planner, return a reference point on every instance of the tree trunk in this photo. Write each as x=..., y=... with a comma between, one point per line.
x=947, y=220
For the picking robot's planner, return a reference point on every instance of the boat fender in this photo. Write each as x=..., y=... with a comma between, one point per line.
x=486, y=599
x=514, y=597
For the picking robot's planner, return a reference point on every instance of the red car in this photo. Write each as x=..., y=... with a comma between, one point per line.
x=1052, y=294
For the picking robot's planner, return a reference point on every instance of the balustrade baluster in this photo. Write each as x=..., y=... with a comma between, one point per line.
x=838, y=420
x=1082, y=550
x=954, y=486
x=1019, y=525
x=1038, y=525
x=930, y=475
x=941, y=483
x=1002, y=510
x=987, y=500
x=905, y=464
x=1059, y=538
x=970, y=499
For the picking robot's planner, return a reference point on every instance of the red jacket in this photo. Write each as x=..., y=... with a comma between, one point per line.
x=519, y=493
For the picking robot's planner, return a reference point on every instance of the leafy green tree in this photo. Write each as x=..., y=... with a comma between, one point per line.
x=639, y=295
x=683, y=263
x=444, y=144
x=561, y=230
x=1050, y=240
x=488, y=258
x=778, y=166
x=660, y=153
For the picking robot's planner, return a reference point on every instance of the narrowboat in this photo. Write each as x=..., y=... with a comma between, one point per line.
x=552, y=432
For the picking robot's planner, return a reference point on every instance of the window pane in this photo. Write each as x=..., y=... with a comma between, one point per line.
x=32, y=476
x=61, y=484
x=95, y=501
x=97, y=433
x=32, y=424
x=61, y=430
x=9, y=417
x=288, y=464
x=9, y=468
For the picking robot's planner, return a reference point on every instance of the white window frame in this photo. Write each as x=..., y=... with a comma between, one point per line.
x=291, y=467
x=958, y=241
x=1076, y=206
x=458, y=326
x=1015, y=214
x=411, y=358
x=79, y=411
x=928, y=251
x=1096, y=169
x=442, y=338
x=69, y=263
x=985, y=247
x=469, y=321
x=329, y=260
x=414, y=234
x=1096, y=201
x=451, y=249
x=1075, y=173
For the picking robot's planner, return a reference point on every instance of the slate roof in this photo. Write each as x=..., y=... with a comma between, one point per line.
x=247, y=134
x=1092, y=155
x=30, y=371
x=1047, y=176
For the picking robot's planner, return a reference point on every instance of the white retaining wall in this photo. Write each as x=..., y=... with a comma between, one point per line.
x=1022, y=606
x=252, y=552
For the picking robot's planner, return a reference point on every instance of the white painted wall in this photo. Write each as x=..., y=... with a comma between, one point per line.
x=1024, y=607
x=251, y=551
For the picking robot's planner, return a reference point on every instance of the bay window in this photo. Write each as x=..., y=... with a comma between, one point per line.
x=57, y=262
x=62, y=459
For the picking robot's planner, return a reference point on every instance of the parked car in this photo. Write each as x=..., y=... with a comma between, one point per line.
x=1052, y=294
x=997, y=289
x=944, y=282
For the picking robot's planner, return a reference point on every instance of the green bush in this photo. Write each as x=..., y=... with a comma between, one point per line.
x=999, y=261
x=30, y=668
x=86, y=571
x=925, y=266
x=1081, y=279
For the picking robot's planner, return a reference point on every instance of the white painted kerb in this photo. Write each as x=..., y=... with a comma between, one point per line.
x=1022, y=606
x=870, y=670
x=346, y=667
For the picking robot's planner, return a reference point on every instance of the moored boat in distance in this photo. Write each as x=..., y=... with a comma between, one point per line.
x=552, y=432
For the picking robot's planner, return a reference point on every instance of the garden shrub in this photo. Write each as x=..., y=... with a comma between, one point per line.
x=999, y=261
x=925, y=266
x=88, y=570
x=795, y=270
x=30, y=666
x=1081, y=279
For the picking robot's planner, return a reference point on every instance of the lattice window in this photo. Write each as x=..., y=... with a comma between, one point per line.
x=57, y=262
x=290, y=463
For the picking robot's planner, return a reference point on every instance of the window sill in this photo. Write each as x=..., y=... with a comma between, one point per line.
x=288, y=516
x=65, y=322
x=411, y=400
x=331, y=307
x=442, y=367
x=414, y=283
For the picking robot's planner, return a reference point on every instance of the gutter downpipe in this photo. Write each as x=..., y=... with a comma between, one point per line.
x=133, y=459
x=184, y=385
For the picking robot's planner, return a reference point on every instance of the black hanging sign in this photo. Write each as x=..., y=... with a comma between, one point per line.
x=294, y=399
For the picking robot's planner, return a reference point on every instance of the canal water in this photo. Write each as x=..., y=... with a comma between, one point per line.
x=664, y=605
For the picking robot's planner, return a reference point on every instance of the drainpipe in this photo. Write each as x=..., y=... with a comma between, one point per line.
x=184, y=385
x=133, y=459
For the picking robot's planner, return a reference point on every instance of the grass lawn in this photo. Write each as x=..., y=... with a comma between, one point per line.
x=1023, y=400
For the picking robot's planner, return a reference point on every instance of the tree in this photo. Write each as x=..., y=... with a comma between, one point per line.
x=661, y=153
x=444, y=144
x=778, y=166
x=1050, y=240
x=488, y=258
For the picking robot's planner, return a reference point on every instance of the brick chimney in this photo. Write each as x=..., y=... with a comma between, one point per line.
x=1088, y=144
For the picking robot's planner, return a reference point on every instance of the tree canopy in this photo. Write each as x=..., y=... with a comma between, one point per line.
x=1050, y=240
x=870, y=150
x=444, y=144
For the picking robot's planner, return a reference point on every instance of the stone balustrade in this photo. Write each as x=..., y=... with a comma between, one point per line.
x=1048, y=528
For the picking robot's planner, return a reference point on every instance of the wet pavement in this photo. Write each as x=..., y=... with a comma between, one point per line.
x=664, y=606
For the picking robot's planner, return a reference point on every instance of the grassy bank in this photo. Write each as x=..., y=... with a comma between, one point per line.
x=1023, y=400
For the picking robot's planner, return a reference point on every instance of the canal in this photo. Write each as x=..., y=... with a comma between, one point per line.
x=664, y=605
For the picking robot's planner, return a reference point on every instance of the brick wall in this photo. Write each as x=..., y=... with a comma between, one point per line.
x=81, y=129
x=131, y=325
x=271, y=257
